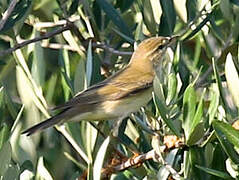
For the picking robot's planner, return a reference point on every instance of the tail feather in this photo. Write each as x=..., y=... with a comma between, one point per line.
x=43, y=125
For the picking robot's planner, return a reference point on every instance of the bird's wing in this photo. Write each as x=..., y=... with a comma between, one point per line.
x=122, y=84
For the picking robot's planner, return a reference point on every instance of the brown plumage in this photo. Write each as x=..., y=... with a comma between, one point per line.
x=117, y=96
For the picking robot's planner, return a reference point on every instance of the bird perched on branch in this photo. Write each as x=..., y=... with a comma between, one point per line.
x=117, y=96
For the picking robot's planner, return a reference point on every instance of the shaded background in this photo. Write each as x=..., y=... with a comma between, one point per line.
x=50, y=50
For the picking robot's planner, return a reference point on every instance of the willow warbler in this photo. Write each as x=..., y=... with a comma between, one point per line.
x=117, y=96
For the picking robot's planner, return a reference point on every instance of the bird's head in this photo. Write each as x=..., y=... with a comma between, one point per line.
x=154, y=49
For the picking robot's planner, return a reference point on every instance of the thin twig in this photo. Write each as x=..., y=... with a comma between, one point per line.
x=134, y=161
x=7, y=13
x=41, y=25
x=94, y=45
x=24, y=43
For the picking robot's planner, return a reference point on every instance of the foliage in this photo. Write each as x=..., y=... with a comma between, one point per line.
x=195, y=92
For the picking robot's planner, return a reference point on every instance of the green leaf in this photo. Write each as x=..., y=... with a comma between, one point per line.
x=228, y=137
x=149, y=17
x=196, y=134
x=214, y=172
x=4, y=134
x=172, y=88
x=180, y=6
x=192, y=9
x=164, y=172
x=168, y=18
x=80, y=79
x=213, y=105
x=42, y=172
x=221, y=90
x=89, y=64
x=38, y=64
x=232, y=79
x=5, y=156
x=114, y=16
x=64, y=62
x=189, y=109
x=100, y=159
x=161, y=106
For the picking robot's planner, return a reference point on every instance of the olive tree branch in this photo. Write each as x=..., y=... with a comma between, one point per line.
x=7, y=13
x=39, y=38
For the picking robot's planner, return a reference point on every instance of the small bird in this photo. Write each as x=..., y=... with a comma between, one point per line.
x=117, y=96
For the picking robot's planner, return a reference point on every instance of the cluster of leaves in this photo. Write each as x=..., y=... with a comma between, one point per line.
x=195, y=92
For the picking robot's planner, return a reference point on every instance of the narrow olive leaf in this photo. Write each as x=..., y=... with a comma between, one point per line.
x=51, y=87
x=196, y=134
x=164, y=172
x=42, y=172
x=180, y=6
x=192, y=9
x=172, y=88
x=139, y=32
x=232, y=79
x=80, y=78
x=142, y=124
x=98, y=164
x=26, y=91
x=199, y=112
x=214, y=97
x=229, y=138
x=4, y=134
x=127, y=38
x=65, y=80
x=169, y=13
x=75, y=161
x=36, y=89
x=189, y=109
x=38, y=63
x=17, y=120
x=149, y=17
x=162, y=108
x=8, y=100
x=221, y=90
x=186, y=164
x=72, y=42
x=214, y=172
x=114, y=16
x=89, y=64
x=197, y=52
x=176, y=57
x=5, y=156
x=231, y=134
x=91, y=135
x=157, y=10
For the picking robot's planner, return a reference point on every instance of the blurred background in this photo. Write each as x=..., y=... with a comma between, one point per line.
x=51, y=50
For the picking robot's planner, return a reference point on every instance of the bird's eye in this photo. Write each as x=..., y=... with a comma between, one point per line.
x=160, y=47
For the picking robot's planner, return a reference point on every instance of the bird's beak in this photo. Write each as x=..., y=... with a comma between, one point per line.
x=172, y=40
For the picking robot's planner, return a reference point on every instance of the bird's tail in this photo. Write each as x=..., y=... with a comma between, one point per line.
x=43, y=125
